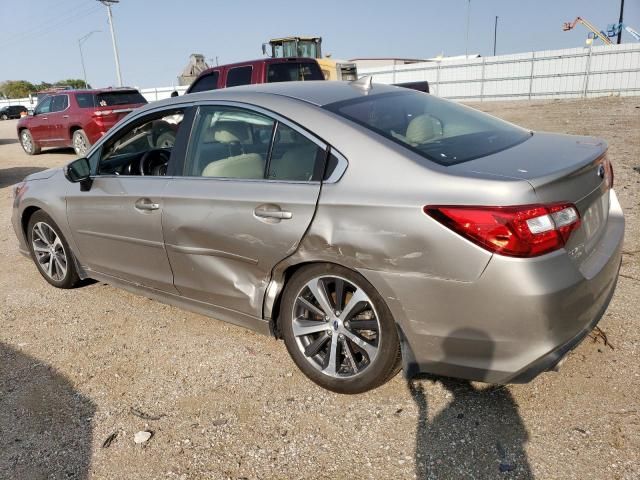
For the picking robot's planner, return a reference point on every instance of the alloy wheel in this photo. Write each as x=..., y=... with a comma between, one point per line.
x=336, y=326
x=79, y=144
x=27, y=142
x=49, y=251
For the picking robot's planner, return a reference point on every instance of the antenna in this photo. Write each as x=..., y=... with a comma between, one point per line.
x=364, y=83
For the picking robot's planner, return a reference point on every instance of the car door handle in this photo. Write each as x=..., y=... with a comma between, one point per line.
x=65, y=116
x=146, y=204
x=262, y=212
x=45, y=118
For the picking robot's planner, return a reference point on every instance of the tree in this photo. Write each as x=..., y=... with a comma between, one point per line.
x=72, y=82
x=17, y=88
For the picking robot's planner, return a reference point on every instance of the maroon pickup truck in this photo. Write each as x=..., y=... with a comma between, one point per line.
x=265, y=70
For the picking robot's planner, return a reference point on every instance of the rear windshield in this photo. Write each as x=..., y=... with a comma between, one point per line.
x=110, y=99
x=293, y=71
x=440, y=130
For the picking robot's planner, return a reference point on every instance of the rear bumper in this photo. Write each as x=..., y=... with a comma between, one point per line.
x=520, y=318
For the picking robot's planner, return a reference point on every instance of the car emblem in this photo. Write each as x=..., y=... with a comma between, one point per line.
x=601, y=171
x=335, y=325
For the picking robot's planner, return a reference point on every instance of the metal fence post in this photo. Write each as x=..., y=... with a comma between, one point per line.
x=533, y=61
x=586, y=72
x=482, y=80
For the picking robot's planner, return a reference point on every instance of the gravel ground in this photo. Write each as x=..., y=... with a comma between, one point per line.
x=77, y=367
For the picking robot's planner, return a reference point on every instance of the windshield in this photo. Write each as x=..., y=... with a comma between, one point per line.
x=440, y=130
x=292, y=71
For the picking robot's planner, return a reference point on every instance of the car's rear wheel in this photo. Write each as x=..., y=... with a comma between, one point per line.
x=29, y=145
x=81, y=143
x=51, y=252
x=338, y=329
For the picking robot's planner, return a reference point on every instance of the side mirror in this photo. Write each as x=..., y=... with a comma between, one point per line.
x=79, y=171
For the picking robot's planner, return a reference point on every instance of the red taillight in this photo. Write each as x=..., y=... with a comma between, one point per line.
x=608, y=172
x=518, y=231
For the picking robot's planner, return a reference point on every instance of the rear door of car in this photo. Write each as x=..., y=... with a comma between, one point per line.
x=242, y=202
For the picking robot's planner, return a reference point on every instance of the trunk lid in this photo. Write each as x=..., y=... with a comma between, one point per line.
x=559, y=168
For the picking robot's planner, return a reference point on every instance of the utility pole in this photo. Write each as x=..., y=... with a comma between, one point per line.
x=620, y=21
x=495, y=35
x=80, y=42
x=108, y=3
x=466, y=45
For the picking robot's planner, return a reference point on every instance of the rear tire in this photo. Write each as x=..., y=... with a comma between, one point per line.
x=29, y=145
x=346, y=342
x=50, y=251
x=81, y=143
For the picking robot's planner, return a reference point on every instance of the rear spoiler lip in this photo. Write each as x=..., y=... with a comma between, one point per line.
x=421, y=86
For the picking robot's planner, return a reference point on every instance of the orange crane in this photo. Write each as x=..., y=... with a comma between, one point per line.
x=566, y=26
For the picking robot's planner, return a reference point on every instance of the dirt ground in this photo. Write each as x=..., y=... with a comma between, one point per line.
x=222, y=402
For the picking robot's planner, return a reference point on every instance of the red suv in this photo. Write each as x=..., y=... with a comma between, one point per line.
x=265, y=70
x=75, y=118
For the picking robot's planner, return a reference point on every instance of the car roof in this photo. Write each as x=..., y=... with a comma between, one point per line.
x=266, y=60
x=316, y=92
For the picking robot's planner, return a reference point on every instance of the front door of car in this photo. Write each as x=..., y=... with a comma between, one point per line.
x=39, y=123
x=116, y=224
x=248, y=193
x=58, y=120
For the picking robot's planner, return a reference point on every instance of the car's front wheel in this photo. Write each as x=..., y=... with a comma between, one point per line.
x=51, y=252
x=81, y=143
x=4, y=117
x=338, y=329
x=29, y=145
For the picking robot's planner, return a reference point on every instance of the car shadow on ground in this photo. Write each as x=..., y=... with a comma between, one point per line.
x=9, y=176
x=8, y=141
x=45, y=424
x=478, y=434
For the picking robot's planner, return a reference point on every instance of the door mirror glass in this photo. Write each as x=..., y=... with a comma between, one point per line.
x=78, y=170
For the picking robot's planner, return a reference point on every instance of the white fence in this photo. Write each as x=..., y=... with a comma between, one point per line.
x=569, y=73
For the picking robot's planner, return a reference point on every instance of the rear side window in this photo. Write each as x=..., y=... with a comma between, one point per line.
x=293, y=71
x=85, y=100
x=112, y=99
x=239, y=76
x=59, y=103
x=206, y=83
x=439, y=130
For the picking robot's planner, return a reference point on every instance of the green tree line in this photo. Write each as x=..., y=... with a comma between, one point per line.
x=22, y=88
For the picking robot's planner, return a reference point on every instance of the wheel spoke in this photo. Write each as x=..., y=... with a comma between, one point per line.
x=39, y=248
x=49, y=267
x=369, y=349
x=314, y=347
x=60, y=268
x=311, y=306
x=349, y=354
x=330, y=366
x=316, y=287
x=307, y=327
x=349, y=310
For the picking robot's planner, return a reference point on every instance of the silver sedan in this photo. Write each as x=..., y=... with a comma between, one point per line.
x=370, y=227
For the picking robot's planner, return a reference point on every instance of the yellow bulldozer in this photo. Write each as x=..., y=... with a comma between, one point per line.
x=311, y=47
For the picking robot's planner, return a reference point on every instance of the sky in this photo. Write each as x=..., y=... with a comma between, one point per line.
x=39, y=38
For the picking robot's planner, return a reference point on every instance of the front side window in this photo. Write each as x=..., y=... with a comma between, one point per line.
x=59, y=103
x=439, y=130
x=206, y=83
x=239, y=76
x=44, y=106
x=293, y=71
x=230, y=142
x=143, y=147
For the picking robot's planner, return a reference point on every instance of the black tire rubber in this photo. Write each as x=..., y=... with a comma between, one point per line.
x=4, y=117
x=36, y=148
x=80, y=133
x=71, y=279
x=387, y=362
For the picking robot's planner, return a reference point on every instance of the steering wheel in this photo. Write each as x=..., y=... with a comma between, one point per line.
x=154, y=162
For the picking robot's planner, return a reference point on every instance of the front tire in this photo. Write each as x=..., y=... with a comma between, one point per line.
x=4, y=117
x=81, y=143
x=29, y=145
x=338, y=329
x=50, y=251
